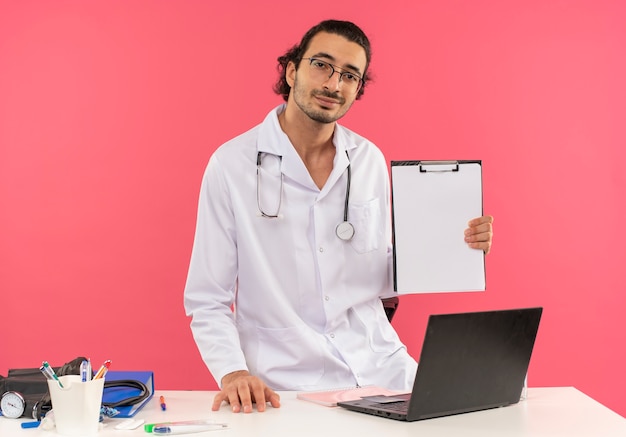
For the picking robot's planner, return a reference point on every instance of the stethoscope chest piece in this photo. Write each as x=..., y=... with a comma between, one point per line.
x=345, y=231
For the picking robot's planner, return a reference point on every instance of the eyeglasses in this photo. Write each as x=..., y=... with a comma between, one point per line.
x=323, y=70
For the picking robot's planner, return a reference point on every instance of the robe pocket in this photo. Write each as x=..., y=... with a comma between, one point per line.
x=367, y=222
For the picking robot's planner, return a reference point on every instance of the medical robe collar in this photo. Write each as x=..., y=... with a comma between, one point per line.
x=273, y=140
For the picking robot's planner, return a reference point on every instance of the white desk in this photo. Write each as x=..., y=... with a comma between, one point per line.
x=548, y=412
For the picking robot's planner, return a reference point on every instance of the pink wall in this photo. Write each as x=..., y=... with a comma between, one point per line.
x=110, y=110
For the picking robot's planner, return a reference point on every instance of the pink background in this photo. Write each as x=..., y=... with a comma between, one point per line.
x=110, y=110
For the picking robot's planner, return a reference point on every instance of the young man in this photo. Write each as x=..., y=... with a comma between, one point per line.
x=294, y=232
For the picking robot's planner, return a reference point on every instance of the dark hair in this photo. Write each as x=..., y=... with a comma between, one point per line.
x=348, y=30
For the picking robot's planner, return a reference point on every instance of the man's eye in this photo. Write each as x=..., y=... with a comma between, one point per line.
x=319, y=64
x=349, y=77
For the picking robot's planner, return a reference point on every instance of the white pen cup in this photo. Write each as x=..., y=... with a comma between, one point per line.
x=77, y=405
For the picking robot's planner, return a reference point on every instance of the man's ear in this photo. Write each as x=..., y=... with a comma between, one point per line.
x=290, y=73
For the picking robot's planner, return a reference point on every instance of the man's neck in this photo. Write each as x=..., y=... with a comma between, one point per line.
x=312, y=140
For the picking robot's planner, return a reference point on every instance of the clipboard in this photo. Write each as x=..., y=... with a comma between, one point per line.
x=432, y=201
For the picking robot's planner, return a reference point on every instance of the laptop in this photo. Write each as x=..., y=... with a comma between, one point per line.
x=469, y=362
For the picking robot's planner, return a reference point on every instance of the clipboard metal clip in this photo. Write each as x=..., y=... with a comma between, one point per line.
x=438, y=166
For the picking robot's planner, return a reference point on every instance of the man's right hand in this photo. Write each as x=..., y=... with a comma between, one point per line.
x=240, y=390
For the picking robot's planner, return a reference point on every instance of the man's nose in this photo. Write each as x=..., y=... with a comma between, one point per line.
x=333, y=81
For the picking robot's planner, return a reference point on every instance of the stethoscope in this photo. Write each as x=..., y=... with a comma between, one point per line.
x=344, y=230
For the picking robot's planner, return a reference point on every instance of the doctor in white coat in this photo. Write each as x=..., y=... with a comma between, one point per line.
x=292, y=251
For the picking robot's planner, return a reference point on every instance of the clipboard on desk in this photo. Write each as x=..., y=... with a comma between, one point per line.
x=432, y=201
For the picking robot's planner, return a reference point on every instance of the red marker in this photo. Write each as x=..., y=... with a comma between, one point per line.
x=103, y=370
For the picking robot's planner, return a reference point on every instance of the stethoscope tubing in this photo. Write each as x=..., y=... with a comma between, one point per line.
x=344, y=230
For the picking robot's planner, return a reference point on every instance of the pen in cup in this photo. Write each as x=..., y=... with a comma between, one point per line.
x=85, y=370
x=49, y=373
x=103, y=370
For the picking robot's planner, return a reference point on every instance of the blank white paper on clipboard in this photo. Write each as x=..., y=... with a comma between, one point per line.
x=432, y=203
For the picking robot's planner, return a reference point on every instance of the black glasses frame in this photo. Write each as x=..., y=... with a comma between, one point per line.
x=335, y=69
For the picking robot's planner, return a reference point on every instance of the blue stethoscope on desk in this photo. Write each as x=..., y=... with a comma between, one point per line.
x=344, y=230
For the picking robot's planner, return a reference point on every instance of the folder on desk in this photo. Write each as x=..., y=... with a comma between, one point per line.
x=432, y=202
x=114, y=394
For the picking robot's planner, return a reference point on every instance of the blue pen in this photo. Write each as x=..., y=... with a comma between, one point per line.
x=85, y=371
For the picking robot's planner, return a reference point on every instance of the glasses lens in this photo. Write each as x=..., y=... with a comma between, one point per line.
x=322, y=71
